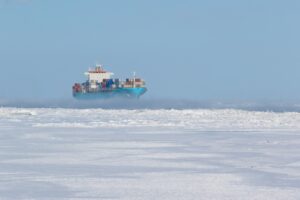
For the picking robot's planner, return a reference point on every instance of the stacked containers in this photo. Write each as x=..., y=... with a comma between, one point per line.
x=103, y=85
x=109, y=83
x=77, y=87
x=117, y=82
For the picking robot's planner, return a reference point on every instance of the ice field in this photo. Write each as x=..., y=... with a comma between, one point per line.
x=56, y=153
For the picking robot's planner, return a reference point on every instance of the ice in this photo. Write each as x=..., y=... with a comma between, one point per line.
x=55, y=153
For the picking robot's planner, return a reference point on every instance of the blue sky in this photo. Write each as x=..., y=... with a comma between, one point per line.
x=188, y=49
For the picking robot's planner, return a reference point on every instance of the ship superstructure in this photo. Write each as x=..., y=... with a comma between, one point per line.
x=100, y=84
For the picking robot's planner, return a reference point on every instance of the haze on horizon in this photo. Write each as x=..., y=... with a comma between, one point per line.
x=183, y=49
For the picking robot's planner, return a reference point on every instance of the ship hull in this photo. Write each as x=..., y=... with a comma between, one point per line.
x=115, y=93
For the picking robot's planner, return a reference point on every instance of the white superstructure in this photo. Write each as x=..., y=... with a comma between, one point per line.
x=98, y=74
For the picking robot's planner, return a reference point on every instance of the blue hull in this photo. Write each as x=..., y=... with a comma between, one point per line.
x=116, y=93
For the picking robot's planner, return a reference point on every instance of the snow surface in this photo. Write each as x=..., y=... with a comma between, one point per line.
x=148, y=154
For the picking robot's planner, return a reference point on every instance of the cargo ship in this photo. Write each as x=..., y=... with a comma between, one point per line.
x=101, y=85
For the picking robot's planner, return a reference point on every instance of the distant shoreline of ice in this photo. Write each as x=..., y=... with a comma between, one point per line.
x=191, y=119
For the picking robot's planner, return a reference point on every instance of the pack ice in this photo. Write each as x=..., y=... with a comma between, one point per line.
x=148, y=154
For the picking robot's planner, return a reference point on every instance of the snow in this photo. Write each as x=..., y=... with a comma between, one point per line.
x=55, y=153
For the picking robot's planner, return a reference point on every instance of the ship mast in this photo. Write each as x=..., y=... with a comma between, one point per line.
x=134, y=75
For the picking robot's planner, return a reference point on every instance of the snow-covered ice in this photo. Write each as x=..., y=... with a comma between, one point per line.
x=148, y=154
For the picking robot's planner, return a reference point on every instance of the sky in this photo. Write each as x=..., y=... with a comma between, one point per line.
x=184, y=49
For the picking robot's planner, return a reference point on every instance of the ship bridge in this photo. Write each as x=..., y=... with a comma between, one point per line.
x=98, y=74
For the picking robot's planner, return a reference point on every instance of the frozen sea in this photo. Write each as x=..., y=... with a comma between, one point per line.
x=68, y=153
